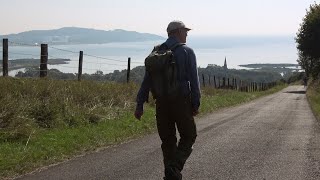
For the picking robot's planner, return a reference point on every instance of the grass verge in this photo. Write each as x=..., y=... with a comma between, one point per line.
x=313, y=95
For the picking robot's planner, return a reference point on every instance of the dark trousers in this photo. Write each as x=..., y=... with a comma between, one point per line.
x=172, y=113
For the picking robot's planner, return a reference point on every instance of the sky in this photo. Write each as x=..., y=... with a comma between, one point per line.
x=205, y=17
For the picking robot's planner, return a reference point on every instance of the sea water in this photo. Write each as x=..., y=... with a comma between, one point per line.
x=209, y=50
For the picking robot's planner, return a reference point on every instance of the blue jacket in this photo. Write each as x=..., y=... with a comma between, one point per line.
x=188, y=79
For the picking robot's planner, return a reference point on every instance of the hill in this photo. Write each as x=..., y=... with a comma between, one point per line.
x=75, y=35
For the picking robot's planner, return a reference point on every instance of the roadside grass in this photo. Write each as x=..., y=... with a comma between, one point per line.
x=43, y=122
x=214, y=99
x=313, y=95
x=46, y=147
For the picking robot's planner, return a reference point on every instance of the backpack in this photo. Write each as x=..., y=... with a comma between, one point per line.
x=162, y=67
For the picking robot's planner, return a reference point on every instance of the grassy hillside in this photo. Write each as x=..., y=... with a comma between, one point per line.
x=46, y=121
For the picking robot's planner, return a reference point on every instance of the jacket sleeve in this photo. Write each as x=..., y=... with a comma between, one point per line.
x=194, y=80
x=143, y=92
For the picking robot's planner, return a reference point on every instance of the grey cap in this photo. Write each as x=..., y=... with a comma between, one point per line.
x=173, y=25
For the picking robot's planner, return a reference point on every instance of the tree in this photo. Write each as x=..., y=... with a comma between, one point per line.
x=306, y=63
x=308, y=41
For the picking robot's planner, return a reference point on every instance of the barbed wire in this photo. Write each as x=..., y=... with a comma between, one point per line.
x=59, y=49
x=60, y=58
x=89, y=55
x=99, y=57
x=73, y=52
x=106, y=64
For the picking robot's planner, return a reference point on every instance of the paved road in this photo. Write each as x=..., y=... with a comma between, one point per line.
x=274, y=137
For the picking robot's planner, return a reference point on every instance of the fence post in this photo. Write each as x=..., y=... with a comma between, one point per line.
x=128, y=70
x=44, y=60
x=214, y=81
x=236, y=84
x=80, y=65
x=232, y=83
x=5, y=57
x=209, y=80
x=204, y=83
x=228, y=84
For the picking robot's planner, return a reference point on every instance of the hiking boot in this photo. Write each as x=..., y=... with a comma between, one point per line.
x=172, y=173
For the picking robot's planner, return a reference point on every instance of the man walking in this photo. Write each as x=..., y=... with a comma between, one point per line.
x=175, y=111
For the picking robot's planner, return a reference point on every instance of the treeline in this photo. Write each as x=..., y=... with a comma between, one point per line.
x=137, y=74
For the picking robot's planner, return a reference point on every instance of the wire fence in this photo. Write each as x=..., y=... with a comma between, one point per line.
x=27, y=59
x=65, y=63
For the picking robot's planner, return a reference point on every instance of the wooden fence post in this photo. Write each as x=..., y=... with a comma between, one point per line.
x=80, y=65
x=228, y=84
x=236, y=84
x=214, y=81
x=44, y=61
x=232, y=83
x=204, y=83
x=224, y=82
x=128, y=70
x=5, y=57
x=209, y=80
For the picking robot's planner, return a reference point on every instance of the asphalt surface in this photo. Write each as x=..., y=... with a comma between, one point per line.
x=274, y=137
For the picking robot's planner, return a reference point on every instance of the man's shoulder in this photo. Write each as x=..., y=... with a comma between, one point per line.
x=187, y=48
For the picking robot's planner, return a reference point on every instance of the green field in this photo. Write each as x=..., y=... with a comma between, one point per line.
x=47, y=121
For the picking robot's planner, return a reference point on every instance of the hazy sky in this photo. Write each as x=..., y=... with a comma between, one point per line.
x=205, y=17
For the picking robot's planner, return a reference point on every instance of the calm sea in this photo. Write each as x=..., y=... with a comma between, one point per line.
x=209, y=50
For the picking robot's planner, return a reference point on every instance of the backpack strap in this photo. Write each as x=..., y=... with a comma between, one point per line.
x=161, y=46
x=176, y=45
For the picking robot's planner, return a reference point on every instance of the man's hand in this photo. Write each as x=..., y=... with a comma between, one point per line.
x=138, y=114
x=195, y=112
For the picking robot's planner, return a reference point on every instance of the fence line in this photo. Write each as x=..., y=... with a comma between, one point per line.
x=63, y=50
x=44, y=60
x=218, y=82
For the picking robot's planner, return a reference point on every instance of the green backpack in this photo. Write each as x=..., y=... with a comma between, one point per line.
x=161, y=66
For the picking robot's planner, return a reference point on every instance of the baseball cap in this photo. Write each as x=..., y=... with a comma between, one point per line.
x=173, y=25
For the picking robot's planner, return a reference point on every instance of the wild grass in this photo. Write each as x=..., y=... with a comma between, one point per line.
x=214, y=99
x=47, y=121
x=313, y=94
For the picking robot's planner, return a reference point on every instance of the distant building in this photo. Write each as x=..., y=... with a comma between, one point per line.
x=225, y=67
x=212, y=65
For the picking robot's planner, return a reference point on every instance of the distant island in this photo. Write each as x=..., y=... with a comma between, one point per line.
x=262, y=66
x=282, y=68
x=75, y=35
x=32, y=63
